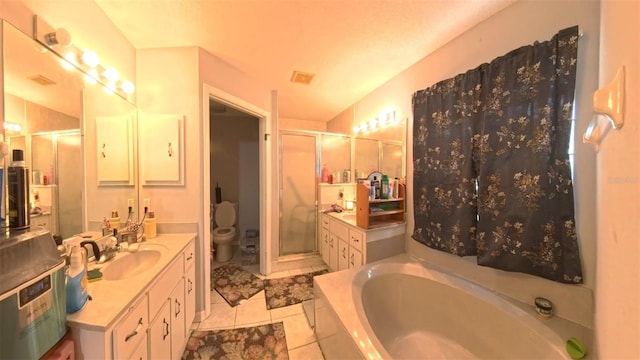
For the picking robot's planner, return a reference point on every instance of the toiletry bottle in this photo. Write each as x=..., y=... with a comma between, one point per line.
x=384, y=187
x=150, y=225
x=114, y=220
x=77, y=281
x=396, y=184
x=18, y=189
x=324, y=177
x=375, y=184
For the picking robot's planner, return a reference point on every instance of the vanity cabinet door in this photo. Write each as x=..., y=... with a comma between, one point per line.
x=355, y=258
x=343, y=255
x=190, y=296
x=160, y=334
x=334, y=244
x=324, y=245
x=178, y=326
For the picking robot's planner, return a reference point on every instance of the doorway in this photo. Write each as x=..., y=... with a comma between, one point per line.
x=234, y=175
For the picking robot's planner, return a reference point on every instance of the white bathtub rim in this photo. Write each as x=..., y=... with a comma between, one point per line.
x=412, y=266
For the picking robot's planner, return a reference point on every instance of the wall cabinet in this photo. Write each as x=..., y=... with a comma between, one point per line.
x=375, y=213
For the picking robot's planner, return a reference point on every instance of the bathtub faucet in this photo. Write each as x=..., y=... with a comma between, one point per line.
x=544, y=307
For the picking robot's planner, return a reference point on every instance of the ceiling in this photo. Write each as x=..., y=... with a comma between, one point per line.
x=352, y=46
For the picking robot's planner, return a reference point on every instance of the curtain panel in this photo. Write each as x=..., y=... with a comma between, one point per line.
x=492, y=175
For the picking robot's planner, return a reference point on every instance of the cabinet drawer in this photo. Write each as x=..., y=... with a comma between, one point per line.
x=160, y=291
x=42, y=221
x=140, y=353
x=189, y=255
x=130, y=330
x=356, y=239
x=340, y=230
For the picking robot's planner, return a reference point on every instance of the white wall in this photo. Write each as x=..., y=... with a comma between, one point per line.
x=617, y=317
x=520, y=24
x=296, y=124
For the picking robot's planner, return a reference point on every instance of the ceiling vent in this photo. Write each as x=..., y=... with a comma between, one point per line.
x=302, y=77
x=42, y=80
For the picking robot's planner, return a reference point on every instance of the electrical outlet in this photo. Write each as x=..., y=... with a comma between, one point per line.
x=130, y=202
x=147, y=202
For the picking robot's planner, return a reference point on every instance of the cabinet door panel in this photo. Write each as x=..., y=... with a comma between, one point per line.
x=178, y=326
x=324, y=246
x=343, y=255
x=160, y=334
x=333, y=252
x=355, y=258
x=190, y=296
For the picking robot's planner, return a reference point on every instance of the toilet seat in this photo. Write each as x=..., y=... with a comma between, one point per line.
x=225, y=215
x=225, y=218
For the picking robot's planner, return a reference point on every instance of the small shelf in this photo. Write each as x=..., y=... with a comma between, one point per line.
x=367, y=219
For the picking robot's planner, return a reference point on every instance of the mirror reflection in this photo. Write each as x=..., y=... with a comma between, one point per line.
x=43, y=111
x=50, y=114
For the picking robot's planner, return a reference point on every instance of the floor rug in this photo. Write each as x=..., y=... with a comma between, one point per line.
x=258, y=342
x=289, y=290
x=234, y=283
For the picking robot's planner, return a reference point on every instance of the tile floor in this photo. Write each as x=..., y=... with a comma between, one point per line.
x=301, y=340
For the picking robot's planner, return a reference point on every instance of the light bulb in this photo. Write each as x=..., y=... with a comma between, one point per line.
x=90, y=58
x=356, y=129
x=91, y=77
x=127, y=87
x=111, y=75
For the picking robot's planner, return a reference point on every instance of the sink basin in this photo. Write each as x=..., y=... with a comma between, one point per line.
x=130, y=265
x=348, y=216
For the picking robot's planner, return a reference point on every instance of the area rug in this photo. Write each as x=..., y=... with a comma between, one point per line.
x=258, y=342
x=234, y=283
x=289, y=290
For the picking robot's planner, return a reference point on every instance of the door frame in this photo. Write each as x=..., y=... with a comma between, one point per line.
x=264, y=118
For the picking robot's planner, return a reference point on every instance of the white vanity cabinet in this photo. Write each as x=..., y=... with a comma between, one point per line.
x=155, y=325
x=350, y=246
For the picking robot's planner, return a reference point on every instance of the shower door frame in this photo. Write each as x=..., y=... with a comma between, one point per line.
x=317, y=137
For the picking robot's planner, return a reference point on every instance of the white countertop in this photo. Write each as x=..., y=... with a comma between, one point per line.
x=110, y=298
x=349, y=218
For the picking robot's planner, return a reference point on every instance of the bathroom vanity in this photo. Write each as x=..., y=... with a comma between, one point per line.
x=345, y=245
x=143, y=306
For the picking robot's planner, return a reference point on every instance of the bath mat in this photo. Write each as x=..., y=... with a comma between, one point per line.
x=289, y=290
x=258, y=342
x=234, y=283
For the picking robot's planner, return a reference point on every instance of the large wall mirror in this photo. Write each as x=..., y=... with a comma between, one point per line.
x=50, y=114
x=386, y=156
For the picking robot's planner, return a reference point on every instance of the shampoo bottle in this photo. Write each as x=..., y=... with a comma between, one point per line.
x=77, y=281
x=384, y=187
x=324, y=177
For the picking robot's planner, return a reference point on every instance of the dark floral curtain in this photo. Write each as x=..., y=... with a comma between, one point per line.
x=492, y=175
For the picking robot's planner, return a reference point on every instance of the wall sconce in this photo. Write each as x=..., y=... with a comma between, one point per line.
x=385, y=119
x=86, y=61
x=609, y=102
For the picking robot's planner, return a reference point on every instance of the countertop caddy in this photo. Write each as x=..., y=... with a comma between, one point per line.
x=128, y=311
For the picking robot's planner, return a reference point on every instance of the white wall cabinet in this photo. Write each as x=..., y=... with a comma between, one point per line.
x=115, y=160
x=161, y=150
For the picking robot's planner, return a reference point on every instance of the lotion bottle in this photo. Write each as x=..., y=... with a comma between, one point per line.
x=114, y=221
x=150, y=225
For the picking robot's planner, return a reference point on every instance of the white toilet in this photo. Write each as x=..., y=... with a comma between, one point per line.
x=225, y=232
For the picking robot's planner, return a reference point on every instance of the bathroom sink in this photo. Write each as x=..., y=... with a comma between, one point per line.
x=348, y=216
x=130, y=264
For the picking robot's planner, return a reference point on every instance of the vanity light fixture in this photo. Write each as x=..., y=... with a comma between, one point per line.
x=86, y=61
x=59, y=37
x=385, y=119
x=12, y=127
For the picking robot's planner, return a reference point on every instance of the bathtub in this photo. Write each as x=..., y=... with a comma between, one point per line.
x=401, y=308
